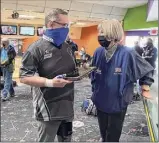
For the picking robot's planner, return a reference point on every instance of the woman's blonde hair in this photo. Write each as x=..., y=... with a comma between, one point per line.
x=111, y=29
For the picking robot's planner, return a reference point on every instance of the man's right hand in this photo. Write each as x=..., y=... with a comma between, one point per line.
x=59, y=82
x=37, y=81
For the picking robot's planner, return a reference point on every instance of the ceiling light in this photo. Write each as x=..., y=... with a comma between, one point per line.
x=27, y=16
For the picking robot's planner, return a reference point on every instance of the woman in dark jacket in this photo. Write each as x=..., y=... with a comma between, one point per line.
x=112, y=84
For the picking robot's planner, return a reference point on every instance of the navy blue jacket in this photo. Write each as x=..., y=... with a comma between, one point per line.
x=11, y=54
x=113, y=82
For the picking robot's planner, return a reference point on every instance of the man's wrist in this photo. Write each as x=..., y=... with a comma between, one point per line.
x=48, y=83
x=145, y=88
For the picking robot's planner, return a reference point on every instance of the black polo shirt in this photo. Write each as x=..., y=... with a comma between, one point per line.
x=45, y=60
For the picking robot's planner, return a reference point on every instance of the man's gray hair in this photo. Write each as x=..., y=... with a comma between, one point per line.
x=53, y=15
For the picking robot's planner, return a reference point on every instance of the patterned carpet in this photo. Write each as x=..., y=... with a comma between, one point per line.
x=17, y=124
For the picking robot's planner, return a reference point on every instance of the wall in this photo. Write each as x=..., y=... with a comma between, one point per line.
x=88, y=39
x=90, y=35
x=75, y=32
x=28, y=41
x=136, y=19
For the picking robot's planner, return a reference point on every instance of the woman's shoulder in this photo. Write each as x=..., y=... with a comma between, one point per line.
x=99, y=49
x=125, y=49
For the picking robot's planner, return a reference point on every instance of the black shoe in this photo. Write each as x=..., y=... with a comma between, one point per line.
x=3, y=99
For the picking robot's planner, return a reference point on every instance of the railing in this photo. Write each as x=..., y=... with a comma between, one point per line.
x=151, y=110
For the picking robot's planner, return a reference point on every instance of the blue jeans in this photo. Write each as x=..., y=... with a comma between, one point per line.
x=11, y=90
x=8, y=87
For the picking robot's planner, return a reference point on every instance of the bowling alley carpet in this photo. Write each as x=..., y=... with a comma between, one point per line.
x=17, y=124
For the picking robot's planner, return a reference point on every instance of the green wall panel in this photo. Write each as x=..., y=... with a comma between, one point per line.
x=135, y=18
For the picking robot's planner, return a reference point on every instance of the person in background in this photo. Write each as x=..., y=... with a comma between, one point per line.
x=88, y=57
x=138, y=49
x=88, y=61
x=10, y=30
x=8, y=55
x=53, y=97
x=150, y=53
x=82, y=54
x=74, y=47
x=118, y=67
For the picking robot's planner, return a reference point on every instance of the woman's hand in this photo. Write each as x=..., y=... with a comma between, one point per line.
x=146, y=94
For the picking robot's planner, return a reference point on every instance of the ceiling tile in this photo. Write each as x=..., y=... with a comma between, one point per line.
x=58, y=4
x=116, y=17
x=82, y=18
x=72, y=18
x=118, y=11
x=124, y=3
x=32, y=2
x=117, y=3
x=79, y=6
x=102, y=16
x=30, y=8
x=48, y=9
x=8, y=6
x=94, y=19
x=101, y=9
x=90, y=1
x=79, y=14
x=9, y=1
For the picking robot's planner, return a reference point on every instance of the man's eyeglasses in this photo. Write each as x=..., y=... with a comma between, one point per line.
x=66, y=25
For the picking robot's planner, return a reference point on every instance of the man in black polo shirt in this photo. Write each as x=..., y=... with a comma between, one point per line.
x=53, y=97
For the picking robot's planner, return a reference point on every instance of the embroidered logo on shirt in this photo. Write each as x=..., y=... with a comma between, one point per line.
x=117, y=71
x=98, y=71
x=47, y=54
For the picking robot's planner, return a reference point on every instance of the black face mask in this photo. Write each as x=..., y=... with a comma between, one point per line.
x=4, y=45
x=103, y=42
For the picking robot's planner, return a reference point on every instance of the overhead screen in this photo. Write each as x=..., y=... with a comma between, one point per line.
x=8, y=30
x=27, y=30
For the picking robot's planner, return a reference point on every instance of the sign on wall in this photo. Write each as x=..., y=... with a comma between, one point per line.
x=153, y=32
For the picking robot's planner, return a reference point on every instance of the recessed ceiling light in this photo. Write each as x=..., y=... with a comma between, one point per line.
x=26, y=16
